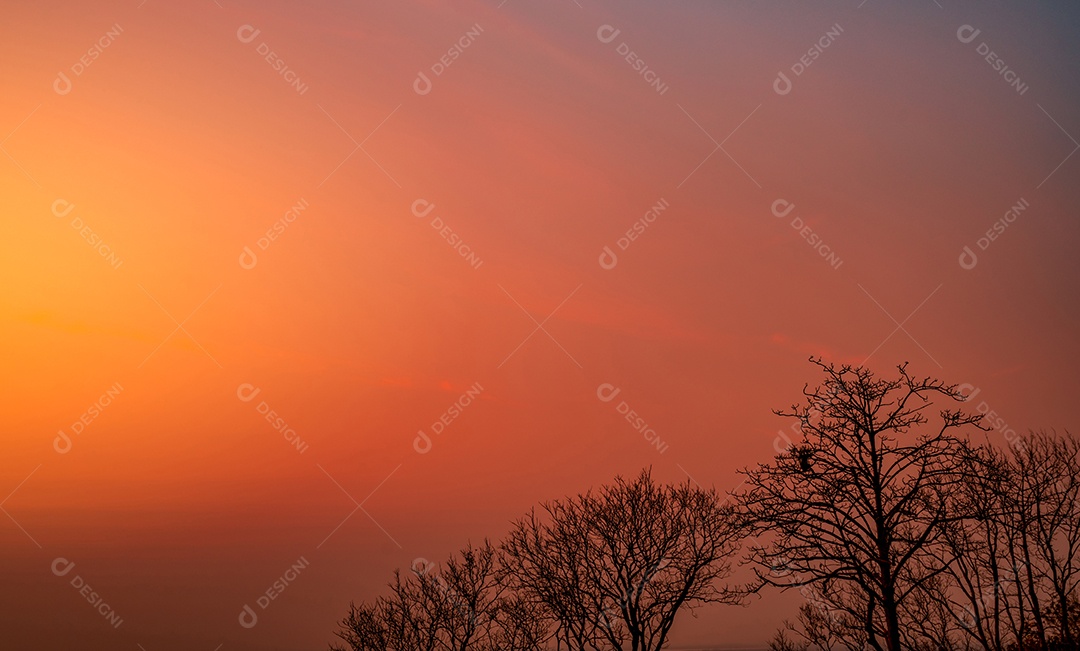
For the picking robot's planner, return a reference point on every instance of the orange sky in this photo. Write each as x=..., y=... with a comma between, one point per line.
x=179, y=144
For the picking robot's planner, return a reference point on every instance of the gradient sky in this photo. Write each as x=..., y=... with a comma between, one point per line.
x=360, y=324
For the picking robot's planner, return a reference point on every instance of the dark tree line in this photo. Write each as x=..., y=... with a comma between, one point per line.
x=603, y=570
x=900, y=530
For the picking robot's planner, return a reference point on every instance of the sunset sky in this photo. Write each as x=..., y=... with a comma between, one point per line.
x=205, y=199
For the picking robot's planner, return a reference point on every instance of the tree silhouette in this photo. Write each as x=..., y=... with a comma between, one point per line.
x=614, y=567
x=900, y=533
x=817, y=628
x=601, y=570
x=1014, y=563
x=460, y=606
x=853, y=510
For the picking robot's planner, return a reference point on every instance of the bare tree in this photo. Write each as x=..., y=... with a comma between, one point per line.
x=366, y=628
x=821, y=629
x=1047, y=471
x=468, y=589
x=458, y=607
x=1014, y=563
x=522, y=625
x=399, y=621
x=930, y=624
x=853, y=507
x=981, y=588
x=545, y=564
x=615, y=566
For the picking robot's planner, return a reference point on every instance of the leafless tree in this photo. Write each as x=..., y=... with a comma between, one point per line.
x=979, y=587
x=614, y=567
x=366, y=628
x=1014, y=564
x=521, y=624
x=1047, y=471
x=458, y=607
x=820, y=629
x=853, y=507
x=899, y=533
x=545, y=563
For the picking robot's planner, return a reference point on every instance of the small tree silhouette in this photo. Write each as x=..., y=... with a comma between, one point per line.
x=597, y=571
x=459, y=606
x=615, y=566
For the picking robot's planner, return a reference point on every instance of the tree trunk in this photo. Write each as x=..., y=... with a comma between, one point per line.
x=892, y=618
x=1036, y=608
x=868, y=625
